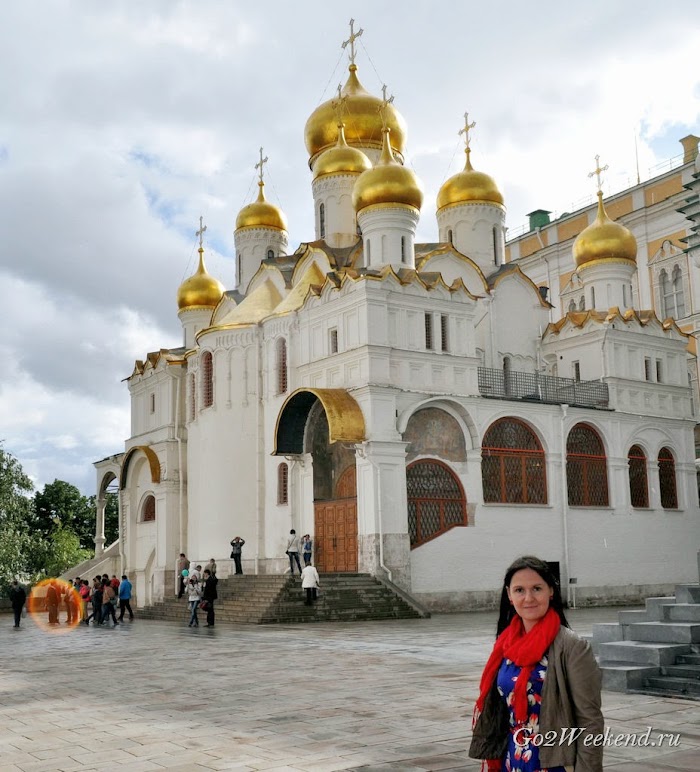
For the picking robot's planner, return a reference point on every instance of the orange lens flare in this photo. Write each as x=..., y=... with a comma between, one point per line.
x=55, y=606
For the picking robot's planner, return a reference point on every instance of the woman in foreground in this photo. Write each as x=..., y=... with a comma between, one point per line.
x=539, y=699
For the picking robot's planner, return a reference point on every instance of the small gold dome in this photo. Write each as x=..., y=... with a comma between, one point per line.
x=604, y=240
x=469, y=186
x=387, y=183
x=363, y=123
x=200, y=290
x=261, y=214
x=341, y=159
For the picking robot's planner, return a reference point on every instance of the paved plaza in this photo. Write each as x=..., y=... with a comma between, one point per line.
x=308, y=698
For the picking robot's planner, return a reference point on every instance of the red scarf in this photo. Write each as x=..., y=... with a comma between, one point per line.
x=525, y=650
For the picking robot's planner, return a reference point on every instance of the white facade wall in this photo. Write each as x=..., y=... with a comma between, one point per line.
x=388, y=235
x=334, y=193
x=477, y=230
x=252, y=247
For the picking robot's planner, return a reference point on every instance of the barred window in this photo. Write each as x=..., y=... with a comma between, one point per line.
x=193, y=398
x=436, y=501
x=403, y=249
x=270, y=254
x=333, y=340
x=639, y=488
x=444, y=333
x=283, y=484
x=513, y=464
x=586, y=468
x=429, y=331
x=149, y=509
x=281, y=366
x=667, y=479
x=207, y=379
x=322, y=221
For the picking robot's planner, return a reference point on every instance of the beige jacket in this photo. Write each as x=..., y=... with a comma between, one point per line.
x=570, y=699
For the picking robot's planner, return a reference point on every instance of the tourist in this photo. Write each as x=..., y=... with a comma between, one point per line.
x=125, y=598
x=96, y=598
x=540, y=678
x=84, y=592
x=293, y=551
x=306, y=548
x=236, y=548
x=211, y=566
x=194, y=596
x=109, y=602
x=52, y=600
x=114, y=583
x=209, y=595
x=183, y=565
x=310, y=582
x=18, y=597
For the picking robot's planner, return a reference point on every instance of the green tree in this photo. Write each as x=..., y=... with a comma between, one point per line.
x=15, y=512
x=63, y=551
x=62, y=503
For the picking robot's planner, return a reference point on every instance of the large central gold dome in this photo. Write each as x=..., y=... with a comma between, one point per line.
x=469, y=186
x=604, y=239
x=363, y=123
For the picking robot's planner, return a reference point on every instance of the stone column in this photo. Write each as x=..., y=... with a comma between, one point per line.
x=619, y=485
x=100, y=526
x=382, y=514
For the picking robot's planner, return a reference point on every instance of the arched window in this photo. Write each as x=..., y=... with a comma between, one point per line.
x=403, y=249
x=593, y=298
x=207, y=379
x=238, y=269
x=665, y=294
x=639, y=489
x=193, y=398
x=322, y=221
x=148, y=510
x=582, y=303
x=678, y=296
x=283, y=484
x=436, y=501
x=495, y=246
x=667, y=479
x=281, y=366
x=572, y=305
x=586, y=468
x=513, y=464
x=449, y=235
x=270, y=254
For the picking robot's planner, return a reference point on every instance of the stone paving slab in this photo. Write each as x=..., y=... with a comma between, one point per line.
x=385, y=696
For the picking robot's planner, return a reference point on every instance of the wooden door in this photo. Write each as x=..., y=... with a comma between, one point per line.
x=336, y=529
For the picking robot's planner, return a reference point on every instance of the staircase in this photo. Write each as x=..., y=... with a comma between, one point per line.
x=272, y=599
x=655, y=651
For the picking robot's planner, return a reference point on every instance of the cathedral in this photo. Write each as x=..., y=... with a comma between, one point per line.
x=426, y=411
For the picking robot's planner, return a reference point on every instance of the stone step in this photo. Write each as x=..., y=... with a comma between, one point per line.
x=688, y=593
x=628, y=617
x=655, y=607
x=682, y=612
x=682, y=671
x=665, y=632
x=672, y=685
x=641, y=653
x=621, y=676
x=688, y=659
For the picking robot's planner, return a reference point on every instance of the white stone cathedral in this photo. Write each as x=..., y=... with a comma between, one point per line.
x=404, y=403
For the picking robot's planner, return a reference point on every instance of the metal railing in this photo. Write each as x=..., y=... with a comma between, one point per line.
x=535, y=387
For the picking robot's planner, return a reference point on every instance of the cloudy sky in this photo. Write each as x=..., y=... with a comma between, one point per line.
x=122, y=122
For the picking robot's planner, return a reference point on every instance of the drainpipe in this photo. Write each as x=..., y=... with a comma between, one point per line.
x=565, y=503
x=361, y=451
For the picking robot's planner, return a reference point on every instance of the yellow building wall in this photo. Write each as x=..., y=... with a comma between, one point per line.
x=571, y=228
x=663, y=190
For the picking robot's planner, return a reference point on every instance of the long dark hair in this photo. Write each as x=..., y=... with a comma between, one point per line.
x=507, y=612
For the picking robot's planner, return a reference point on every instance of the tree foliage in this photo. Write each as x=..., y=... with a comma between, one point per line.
x=62, y=504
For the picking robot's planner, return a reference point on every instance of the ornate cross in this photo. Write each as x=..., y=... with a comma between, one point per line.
x=385, y=102
x=351, y=40
x=260, y=164
x=200, y=232
x=467, y=128
x=338, y=105
x=598, y=171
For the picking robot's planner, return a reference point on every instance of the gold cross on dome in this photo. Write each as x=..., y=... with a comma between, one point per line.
x=260, y=165
x=200, y=232
x=598, y=171
x=351, y=40
x=467, y=128
x=386, y=101
x=338, y=105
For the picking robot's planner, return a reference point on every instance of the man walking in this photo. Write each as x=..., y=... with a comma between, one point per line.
x=125, y=598
x=182, y=565
x=236, y=548
x=18, y=597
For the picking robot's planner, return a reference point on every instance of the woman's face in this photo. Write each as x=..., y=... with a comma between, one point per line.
x=530, y=596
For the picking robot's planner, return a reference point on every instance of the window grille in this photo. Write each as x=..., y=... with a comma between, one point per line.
x=322, y=221
x=436, y=501
x=283, y=484
x=281, y=366
x=334, y=340
x=586, y=468
x=149, y=509
x=152, y=401
x=678, y=296
x=429, y=331
x=593, y=298
x=577, y=370
x=647, y=369
x=444, y=333
x=403, y=249
x=667, y=479
x=639, y=488
x=513, y=467
x=207, y=379
x=659, y=371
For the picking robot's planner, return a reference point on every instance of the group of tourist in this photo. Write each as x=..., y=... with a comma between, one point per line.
x=103, y=596
x=200, y=587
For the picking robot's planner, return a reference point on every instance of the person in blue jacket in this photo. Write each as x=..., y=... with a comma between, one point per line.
x=125, y=598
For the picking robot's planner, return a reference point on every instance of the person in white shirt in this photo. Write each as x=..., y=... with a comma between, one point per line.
x=293, y=551
x=310, y=582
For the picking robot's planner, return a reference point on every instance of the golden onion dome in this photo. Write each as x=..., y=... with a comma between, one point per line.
x=341, y=159
x=201, y=290
x=363, y=124
x=261, y=214
x=387, y=183
x=604, y=239
x=469, y=186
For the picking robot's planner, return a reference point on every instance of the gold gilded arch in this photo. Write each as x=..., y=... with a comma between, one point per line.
x=153, y=463
x=346, y=423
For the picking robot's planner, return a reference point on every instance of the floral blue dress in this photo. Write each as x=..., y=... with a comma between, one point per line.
x=523, y=756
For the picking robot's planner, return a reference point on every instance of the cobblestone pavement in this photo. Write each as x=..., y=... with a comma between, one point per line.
x=313, y=698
